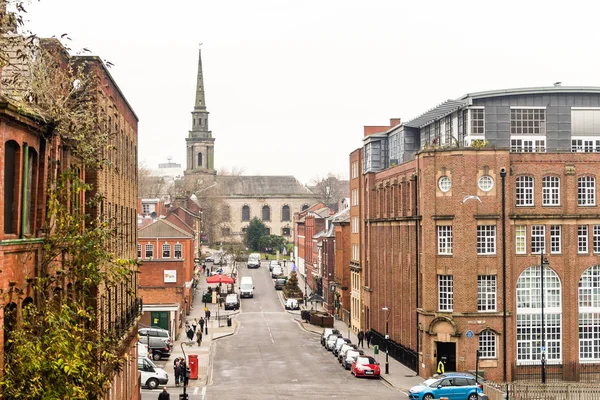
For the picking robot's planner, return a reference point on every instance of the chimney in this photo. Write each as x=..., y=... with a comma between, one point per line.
x=181, y=201
x=394, y=122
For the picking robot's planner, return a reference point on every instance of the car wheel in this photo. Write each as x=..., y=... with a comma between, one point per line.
x=473, y=396
x=428, y=396
x=152, y=384
x=156, y=356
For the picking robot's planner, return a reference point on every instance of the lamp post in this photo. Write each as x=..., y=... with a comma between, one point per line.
x=543, y=264
x=387, y=340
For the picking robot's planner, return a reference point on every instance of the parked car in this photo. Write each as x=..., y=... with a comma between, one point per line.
x=292, y=304
x=453, y=385
x=331, y=339
x=158, y=340
x=209, y=258
x=326, y=333
x=280, y=283
x=143, y=350
x=343, y=349
x=274, y=264
x=276, y=271
x=150, y=375
x=338, y=345
x=349, y=356
x=365, y=366
x=232, y=302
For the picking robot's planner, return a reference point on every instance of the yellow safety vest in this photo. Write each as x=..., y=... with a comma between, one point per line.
x=440, y=369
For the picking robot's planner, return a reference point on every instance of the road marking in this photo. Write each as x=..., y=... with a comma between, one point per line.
x=196, y=390
x=204, y=393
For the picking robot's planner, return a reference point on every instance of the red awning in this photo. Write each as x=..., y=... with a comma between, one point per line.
x=220, y=279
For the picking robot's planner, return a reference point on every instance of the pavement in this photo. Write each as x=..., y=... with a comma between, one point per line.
x=399, y=376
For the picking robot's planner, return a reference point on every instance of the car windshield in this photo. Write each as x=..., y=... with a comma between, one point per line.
x=365, y=360
x=430, y=382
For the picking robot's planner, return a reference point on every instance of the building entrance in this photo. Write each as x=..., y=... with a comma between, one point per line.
x=160, y=319
x=446, y=351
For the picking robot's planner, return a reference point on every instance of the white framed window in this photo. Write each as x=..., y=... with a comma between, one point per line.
x=477, y=121
x=585, y=145
x=538, y=238
x=486, y=293
x=550, y=191
x=139, y=249
x=521, y=239
x=527, y=121
x=354, y=224
x=355, y=252
x=527, y=145
x=596, y=234
x=586, y=191
x=166, y=250
x=445, y=293
x=444, y=183
x=178, y=251
x=354, y=197
x=487, y=344
x=555, y=239
x=486, y=239
x=524, y=193
x=589, y=315
x=149, y=250
x=145, y=209
x=444, y=233
x=355, y=170
x=485, y=183
x=529, y=326
x=582, y=239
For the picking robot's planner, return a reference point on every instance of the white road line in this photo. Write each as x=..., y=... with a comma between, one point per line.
x=204, y=393
x=196, y=390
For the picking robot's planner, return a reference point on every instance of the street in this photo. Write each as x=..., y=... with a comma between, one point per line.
x=272, y=357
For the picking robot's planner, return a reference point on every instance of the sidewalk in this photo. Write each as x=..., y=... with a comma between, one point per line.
x=215, y=332
x=400, y=376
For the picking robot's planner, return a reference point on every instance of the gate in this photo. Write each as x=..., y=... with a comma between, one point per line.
x=403, y=355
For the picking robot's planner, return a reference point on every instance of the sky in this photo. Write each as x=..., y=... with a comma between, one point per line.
x=290, y=84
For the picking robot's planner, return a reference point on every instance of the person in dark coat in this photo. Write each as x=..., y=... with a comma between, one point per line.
x=361, y=337
x=164, y=395
x=207, y=315
x=177, y=371
x=201, y=322
x=190, y=334
x=199, y=337
x=368, y=337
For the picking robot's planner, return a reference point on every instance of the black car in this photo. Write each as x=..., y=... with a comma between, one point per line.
x=280, y=283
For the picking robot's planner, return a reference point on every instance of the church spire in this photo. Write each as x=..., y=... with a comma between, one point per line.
x=200, y=115
x=200, y=102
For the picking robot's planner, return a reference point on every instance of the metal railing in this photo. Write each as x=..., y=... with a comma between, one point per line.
x=403, y=355
x=565, y=372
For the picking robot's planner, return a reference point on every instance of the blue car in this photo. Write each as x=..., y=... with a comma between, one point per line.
x=453, y=385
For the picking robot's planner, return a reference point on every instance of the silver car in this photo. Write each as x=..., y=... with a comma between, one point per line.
x=338, y=345
x=343, y=350
x=350, y=356
x=326, y=333
x=331, y=339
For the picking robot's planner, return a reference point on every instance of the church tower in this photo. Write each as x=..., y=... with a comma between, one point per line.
x=200, y=144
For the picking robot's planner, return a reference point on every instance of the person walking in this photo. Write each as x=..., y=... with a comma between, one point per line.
x=361, y=336
x=194, y=324
x=206, y=312
x=368, y=337
x=441, y=368
x=190, y=334
x=164, y=395
x=177, y=370
x=199, y=337
x=201, y=322
x=207, y=315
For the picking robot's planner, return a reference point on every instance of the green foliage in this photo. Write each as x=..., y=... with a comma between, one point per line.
x=291, y=288
x=58, y=351
x=256, y=230
x=479, y=143
x=272, y=242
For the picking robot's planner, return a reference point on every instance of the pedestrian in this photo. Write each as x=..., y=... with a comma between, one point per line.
x=207, y=272
x=361, y=336
x=441, y=368
x=194, y=324
x=164, y=395
x=368, y=337
x=207, y=315
x=201, y=322
x=190, y=334
x=177, y=371
x=199, y=337
x=182, y=375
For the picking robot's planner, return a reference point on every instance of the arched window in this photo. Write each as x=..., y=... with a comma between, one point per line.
x=11, y=150
x=266, y=213
x=305, y=207
x=487, y=344
x=589, y=314
x=246, y=213
x=524, y=193
x=529, y=315
x=199, y=160
x=285, y=213
x=27, y=302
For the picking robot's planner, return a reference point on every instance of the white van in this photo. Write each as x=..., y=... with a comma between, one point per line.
x=151, y=375
x=246, y=287
x=253, y=260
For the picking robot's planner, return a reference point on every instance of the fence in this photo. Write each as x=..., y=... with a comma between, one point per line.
x=554, y=392
x=566, y=372
x=403, y=355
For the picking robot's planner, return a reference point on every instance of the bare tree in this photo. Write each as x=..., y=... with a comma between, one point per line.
x=330, y=189
x=150, y=185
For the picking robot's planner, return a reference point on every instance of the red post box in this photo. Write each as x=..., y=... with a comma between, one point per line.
x=193, y=365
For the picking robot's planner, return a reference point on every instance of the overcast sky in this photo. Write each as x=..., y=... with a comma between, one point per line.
x=290, y=84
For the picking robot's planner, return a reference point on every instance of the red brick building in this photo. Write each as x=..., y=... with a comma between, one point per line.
x=167, y=253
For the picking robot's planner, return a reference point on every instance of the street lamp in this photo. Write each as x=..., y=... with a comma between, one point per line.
x=387, y=340
x=543, y=264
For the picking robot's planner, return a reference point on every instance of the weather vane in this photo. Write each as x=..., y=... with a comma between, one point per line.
x=200, y=44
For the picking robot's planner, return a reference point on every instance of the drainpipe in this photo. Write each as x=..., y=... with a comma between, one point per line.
x=24, y=185
x=503, y=176
x=416, y=213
